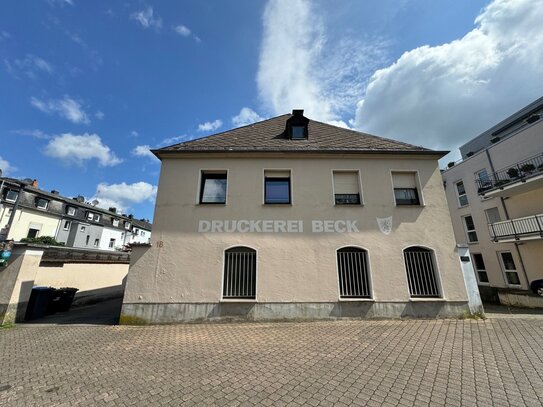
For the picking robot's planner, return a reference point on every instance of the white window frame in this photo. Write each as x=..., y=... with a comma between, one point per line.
x=418, y=185
x=468, y=231
x=115, y=222
x=505, y=271
x=458, y=195
x=16, y=195
x=112, y=242
x=67, y=222
x=42, y=207
x=96, y=242
x=127, y=225
x=69, y=210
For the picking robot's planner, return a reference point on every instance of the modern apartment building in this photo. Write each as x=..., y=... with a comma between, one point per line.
x=290, y=218
x=495, y=196
x=71, y=221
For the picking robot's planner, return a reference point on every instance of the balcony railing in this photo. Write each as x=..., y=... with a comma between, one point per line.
x=516, y=172
x=529, y=226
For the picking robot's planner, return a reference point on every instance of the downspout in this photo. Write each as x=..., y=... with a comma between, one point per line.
x=13, y=210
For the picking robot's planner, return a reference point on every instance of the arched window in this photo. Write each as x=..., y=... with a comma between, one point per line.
x=239, y=273
x=421, y=272
x=353, y=273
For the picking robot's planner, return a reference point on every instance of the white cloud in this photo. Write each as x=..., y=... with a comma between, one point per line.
x=176, y=139
x=30, y=65
x=6, y=167
x=4, y=35
x=299, y=67
x=246, y=116
x=143, y=151
x=134, y=133
x=442, y=96
x=123, y=195
x=32, y=133
x=210, y=126
x=182, y=30
x=77, y=149
x=99, y=115
x=146, y=18
x=66, y=107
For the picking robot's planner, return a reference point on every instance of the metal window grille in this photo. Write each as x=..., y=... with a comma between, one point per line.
x=239, y=273
x=421, y=272
x=353, y=270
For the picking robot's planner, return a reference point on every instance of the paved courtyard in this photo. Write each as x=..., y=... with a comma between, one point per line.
x=497, y=362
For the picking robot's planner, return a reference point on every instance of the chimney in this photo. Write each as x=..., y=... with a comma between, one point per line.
x=55, y=192
x=297, y=112
x=80, y=198
x=113, y=209
x=130, y=216
x=34, y=183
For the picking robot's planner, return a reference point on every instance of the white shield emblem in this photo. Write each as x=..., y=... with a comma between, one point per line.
x=385, y=225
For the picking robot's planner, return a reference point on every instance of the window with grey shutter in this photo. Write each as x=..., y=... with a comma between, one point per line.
x=346, y=188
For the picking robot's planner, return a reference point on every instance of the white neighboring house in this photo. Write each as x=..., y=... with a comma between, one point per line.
x=112, y=238
x=138, y=231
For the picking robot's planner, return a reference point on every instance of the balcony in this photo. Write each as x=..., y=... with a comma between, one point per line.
x=527, y=228
x=524, y=176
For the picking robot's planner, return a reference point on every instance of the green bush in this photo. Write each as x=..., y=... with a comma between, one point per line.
x=48, y=240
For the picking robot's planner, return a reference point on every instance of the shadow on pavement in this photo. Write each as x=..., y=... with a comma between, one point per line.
x=102, y=313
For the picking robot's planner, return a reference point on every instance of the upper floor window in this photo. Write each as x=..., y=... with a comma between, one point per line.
x=277, y=187
x=462, y=196
x=127, y=225
x=115, y=222
x=93, y=216
x=42, y=203
x=493, y=215
x=96, y=242
x=405, y=188
x=470, y=229
x=11, y=195
x=213, y=187
x=111, y=243
x=298, y=132
x=70, y=210
x=346, y=188
x=509, y=268
x=67, y=224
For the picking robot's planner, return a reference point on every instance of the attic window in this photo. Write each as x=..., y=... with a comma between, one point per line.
x=298, y=132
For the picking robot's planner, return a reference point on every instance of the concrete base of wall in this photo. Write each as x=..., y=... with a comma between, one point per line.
x=141, y=314
x=520, y=300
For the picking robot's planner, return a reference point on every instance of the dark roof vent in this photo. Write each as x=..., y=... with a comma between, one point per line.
x=80, y=198
x=113, y=209
x=130, y=216
x=297, y=125
x=55, y=192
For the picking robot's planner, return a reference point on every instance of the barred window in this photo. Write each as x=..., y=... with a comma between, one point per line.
x=353, y=271
x=421, y=272
x=239, y=273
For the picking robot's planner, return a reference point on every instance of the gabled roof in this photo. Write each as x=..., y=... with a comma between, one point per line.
x=270, y=136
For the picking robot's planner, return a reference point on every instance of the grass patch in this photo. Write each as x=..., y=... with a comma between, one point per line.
x=131, y=320
x=474, y=316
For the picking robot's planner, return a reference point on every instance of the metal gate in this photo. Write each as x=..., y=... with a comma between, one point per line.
x=239, y=273
x=353, y=273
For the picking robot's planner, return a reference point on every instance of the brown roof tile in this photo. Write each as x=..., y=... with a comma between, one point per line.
x=269, y=136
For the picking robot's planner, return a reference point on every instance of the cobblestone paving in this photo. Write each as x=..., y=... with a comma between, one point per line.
x=497, y=362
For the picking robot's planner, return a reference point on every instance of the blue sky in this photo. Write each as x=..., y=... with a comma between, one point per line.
x=87, y=87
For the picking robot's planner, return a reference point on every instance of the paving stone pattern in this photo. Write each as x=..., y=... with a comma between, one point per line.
x=496, y=362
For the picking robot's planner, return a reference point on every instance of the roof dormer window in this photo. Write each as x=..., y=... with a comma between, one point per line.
x=297, y=125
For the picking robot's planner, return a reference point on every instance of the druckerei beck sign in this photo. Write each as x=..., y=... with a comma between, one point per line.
x=277, y=226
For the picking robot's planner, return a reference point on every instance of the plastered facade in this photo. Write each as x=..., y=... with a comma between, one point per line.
x=517, y=200
x=183, y=266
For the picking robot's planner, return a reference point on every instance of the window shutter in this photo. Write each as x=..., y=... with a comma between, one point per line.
x=404, y=180
x=346, y=183
x=277, y=174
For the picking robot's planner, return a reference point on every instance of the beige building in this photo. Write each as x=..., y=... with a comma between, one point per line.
x=495, y=196
x=290, y=218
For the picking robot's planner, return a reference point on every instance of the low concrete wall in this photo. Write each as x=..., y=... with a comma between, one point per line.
x=520, y=300
x=160, y=313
